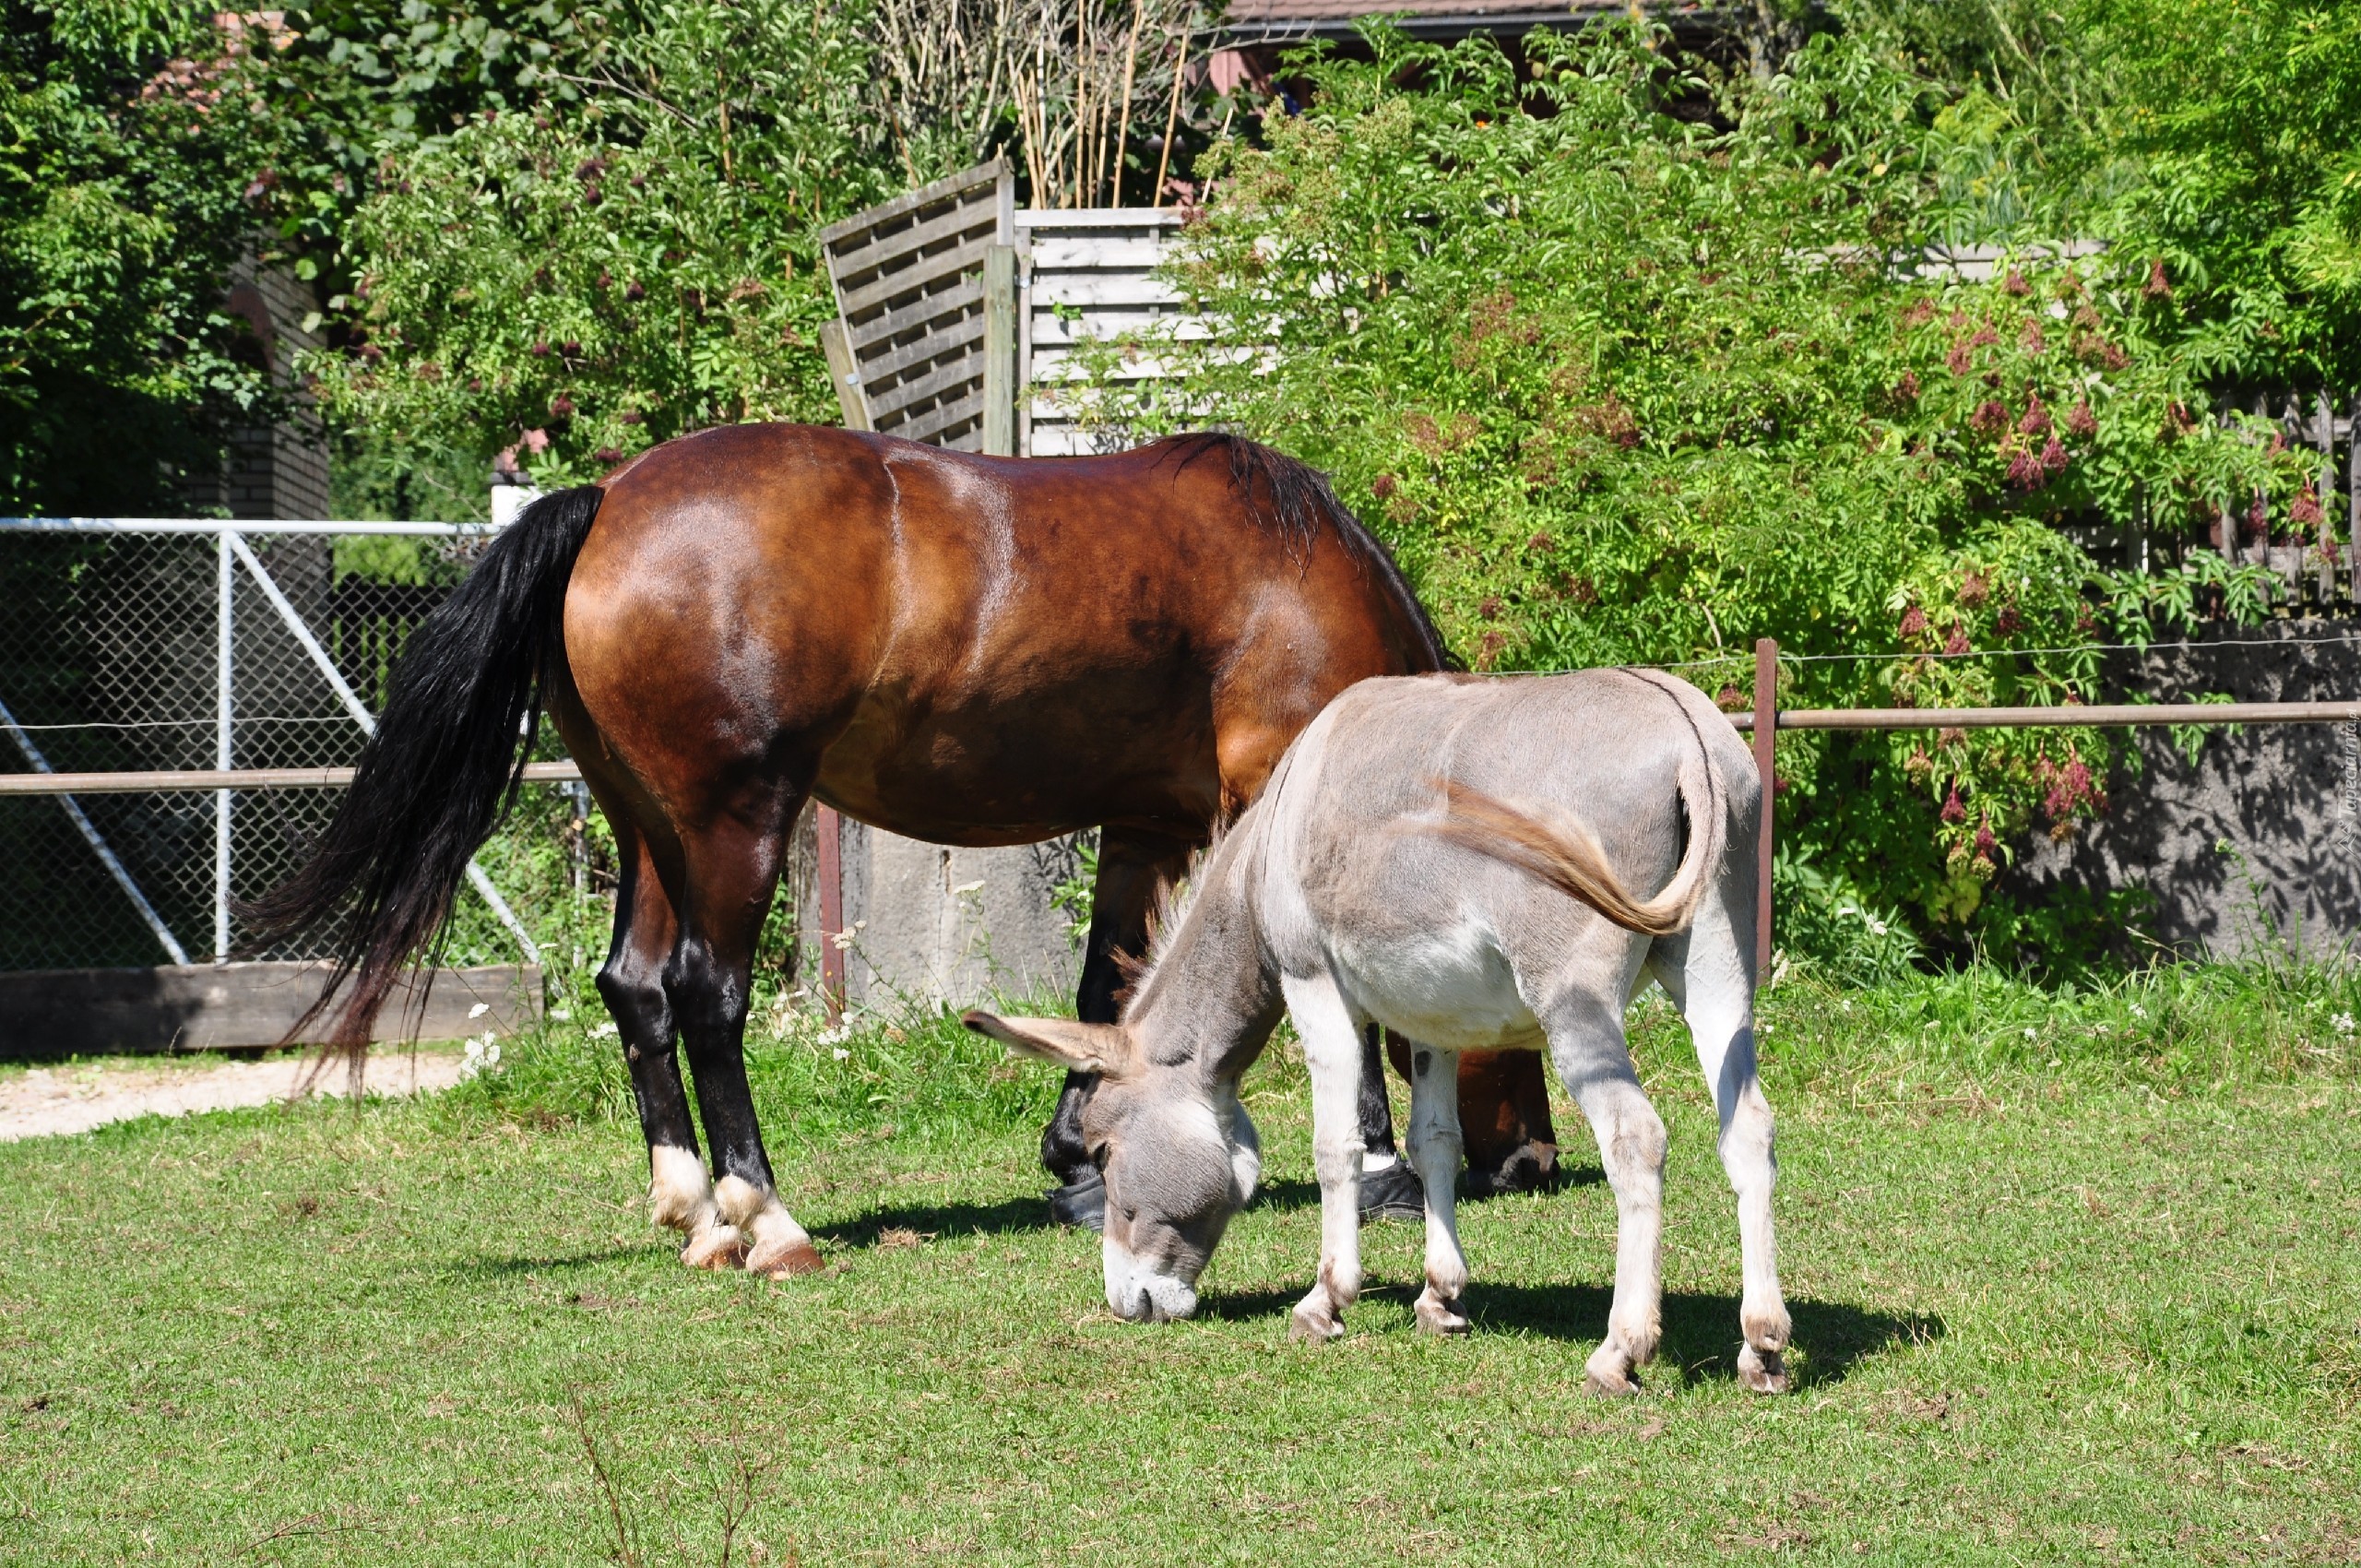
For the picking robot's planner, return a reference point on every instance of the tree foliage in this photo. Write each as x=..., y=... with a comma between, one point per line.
x=1623, y=384
x=573, y=280
x=123, y=205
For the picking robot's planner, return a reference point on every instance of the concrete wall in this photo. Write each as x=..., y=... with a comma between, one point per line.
x=935, y=926
x=2285, y=797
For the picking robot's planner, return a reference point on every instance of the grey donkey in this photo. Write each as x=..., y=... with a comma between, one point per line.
x=1449, y=856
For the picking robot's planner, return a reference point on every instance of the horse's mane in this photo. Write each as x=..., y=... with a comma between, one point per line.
x=1295, y=501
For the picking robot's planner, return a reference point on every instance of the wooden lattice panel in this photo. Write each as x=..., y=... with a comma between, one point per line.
x=909, y=279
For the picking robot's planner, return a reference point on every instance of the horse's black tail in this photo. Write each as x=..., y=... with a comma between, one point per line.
x=442, y=770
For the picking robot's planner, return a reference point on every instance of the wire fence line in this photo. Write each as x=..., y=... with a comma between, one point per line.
x=181, y=697
x=140, y=652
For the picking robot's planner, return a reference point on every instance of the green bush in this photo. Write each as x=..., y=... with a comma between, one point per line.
x=1620, y=381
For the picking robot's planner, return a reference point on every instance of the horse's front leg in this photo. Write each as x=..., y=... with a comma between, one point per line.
x=1134, y=872
x=1332, y=1050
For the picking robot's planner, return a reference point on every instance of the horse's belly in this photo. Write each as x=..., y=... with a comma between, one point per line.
x=1017, y=773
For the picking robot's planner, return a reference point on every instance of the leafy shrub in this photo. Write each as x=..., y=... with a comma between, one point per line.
x=1620, y=383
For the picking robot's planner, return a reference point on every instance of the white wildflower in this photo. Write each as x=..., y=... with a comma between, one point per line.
x=606, y=1030
x=2342, y=1023
x=477, y=1011
x=2030, y=1031
x=482, y=1055
x=842, y=1054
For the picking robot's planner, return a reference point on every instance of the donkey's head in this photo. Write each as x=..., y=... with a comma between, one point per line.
x=1173, y=1144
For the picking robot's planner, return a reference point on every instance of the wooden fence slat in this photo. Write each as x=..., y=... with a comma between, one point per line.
x=957, y=341
x=961, y=298
x=921, y=261
x=914, y=394
x=857, y=304
x=880, y=249
x=925, y=195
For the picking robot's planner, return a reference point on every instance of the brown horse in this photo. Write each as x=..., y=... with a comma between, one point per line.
x=971, y=651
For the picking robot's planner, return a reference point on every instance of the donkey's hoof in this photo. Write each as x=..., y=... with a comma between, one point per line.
x=1764, y=1372
x=1314, y=1325
x=1609, y=1372
x=716, y=1247
x=1441, y=1314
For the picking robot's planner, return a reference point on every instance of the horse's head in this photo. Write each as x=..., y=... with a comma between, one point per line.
x=1173, y=1144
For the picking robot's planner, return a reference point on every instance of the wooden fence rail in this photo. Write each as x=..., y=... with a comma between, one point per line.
x=1763, y=721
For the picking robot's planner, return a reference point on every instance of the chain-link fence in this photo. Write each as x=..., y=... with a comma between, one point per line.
x=138, y=646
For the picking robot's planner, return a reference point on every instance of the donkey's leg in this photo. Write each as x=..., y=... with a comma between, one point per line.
x=1708, y=972
x=1331, y=1048
x=1134, y=872
x=731, y=868
x=632, y=983
x=1435, y=1149
x=1586, y=1035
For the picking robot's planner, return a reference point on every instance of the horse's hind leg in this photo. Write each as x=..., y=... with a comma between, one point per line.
x=632, y=982
x=731, y=868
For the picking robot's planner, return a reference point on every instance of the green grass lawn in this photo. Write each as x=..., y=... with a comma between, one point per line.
x=2090, y=1293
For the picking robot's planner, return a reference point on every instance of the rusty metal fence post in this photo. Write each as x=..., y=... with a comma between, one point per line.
x=1767, y=728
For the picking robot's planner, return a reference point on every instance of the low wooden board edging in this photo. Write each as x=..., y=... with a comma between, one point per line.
x=54, y=1013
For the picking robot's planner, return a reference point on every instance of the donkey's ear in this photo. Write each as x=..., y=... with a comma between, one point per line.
x=1085, y=1048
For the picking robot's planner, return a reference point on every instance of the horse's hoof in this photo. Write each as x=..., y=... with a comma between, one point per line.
x=801, y=1257
x=718, y=1247
x=1395, y=1193
x=1529, y=1167
x=1762, y=1371
x=1439, y=1315
x=1081, y=1204
x=1307, y=1327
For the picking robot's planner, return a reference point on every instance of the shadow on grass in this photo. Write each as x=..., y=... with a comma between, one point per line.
x=1701, y=1334
x=503, y=1269
x=1284, y=1198
x=940, y=1220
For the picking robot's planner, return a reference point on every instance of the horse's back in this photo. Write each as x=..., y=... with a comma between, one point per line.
x=976, y=650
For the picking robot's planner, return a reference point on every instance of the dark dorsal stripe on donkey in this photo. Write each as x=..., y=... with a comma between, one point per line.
x=967, y=650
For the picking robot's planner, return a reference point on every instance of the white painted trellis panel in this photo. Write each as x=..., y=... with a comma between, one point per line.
x=1090, y=274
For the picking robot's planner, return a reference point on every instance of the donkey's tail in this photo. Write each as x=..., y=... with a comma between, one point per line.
x=440, y=770
x=1565, y=853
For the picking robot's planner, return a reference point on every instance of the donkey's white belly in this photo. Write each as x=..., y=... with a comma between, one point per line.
x=1451, y=988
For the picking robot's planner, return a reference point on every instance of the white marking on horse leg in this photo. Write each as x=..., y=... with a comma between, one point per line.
x=776, y=1245
x=680, y=1196
x=1435, y=1146
x=1332, y=1049
x=1714, y=988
